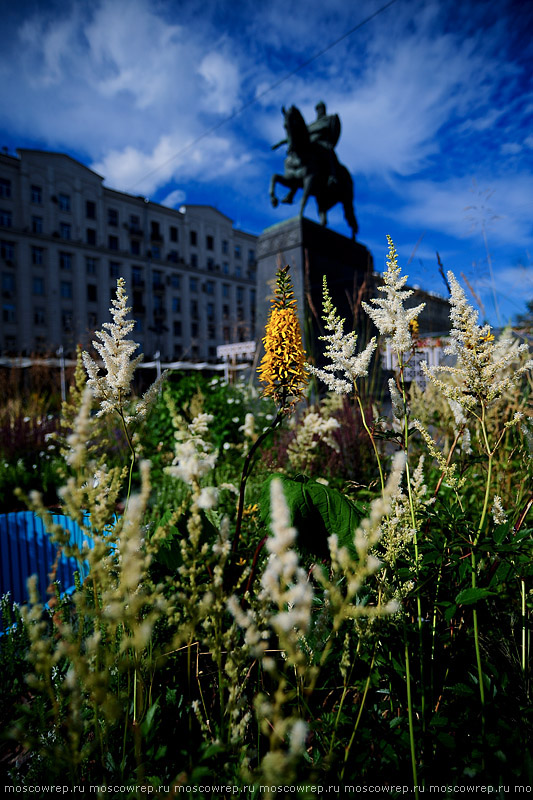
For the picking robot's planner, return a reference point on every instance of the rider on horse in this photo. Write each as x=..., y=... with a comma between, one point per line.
x=325, y=132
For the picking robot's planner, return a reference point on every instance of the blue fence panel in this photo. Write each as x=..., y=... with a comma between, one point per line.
x=26, y=549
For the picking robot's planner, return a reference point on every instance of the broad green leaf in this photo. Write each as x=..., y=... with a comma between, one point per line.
x=472, y=595
x=316, y=511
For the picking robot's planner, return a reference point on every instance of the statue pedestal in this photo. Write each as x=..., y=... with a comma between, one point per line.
x=312, y=252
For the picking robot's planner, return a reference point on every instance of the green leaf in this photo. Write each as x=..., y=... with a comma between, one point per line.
x=316, y=511
x=469, y=596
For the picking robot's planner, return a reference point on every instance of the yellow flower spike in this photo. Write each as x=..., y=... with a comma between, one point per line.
x=282, y=367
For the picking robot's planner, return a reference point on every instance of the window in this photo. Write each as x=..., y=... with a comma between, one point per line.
x=210, y=287
x=211, y=332
x=209, y=242
x=39, y=316
x=112, y=242
x=240, y=295
x=37, y=224
x=90, y=209
x=8, y=283
x=65, y=261
x=112, y=217
x=37, y=256
x=66, y=321
x=135, y=223
x=63, y=201
x=138, y=307
x=176, y=325
x=225, y=247
x=114, y=270
x=91, y=236
x=194, y=329
x=210, y=311
x=173, y=256
x=157, y=279
x=173, y=233
x=176, y=305
x=38, y=285
x=36, y=194
x=135, y=247
x=225, y=268
x=251, y=258
x=6, y=218
x=92, y=320
x=158, y=304
x=240, y=313
x=156, y=251
x=237, y=251
x=9, y=313
x=137, y=277
x=5, y=187
x=210, y=264
x=7, y=251
x=238, y=271
x=65, y=289
x=175, y=281
x=64, y=230
x=155, y=233
x=194, y=260
x=225, y=290
x=193, y=284
x=193, y=238
x=90, y=266
x=194, y=309
x=178, y=349
x=92, y=292
x=225, y=311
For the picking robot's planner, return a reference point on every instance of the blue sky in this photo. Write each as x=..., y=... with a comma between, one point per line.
x=435, y=99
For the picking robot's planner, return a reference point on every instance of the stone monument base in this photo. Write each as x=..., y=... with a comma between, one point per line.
x=313, y=251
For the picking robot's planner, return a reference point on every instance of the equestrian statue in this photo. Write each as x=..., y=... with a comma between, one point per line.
x=311, y=164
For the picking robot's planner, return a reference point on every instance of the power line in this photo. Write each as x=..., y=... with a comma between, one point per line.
x=269, y=88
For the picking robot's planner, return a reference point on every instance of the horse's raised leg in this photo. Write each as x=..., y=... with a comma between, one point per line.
x=289, y=182
x=272, y=191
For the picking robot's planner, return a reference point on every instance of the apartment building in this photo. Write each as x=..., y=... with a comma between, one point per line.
x=65, y=238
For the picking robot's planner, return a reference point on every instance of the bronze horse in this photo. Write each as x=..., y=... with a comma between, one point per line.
x=308, y=166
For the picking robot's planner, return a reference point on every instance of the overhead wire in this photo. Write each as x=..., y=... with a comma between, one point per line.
x=265, y=91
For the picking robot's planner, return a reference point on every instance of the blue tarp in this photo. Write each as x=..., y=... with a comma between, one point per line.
x=26, y=549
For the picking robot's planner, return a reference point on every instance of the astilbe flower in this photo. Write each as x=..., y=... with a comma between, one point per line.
x=340, y=350
x=116, y=352
x=284, y=581
x=389, y=316
x=282, y=367
x=314, y=429
x=195, y=457
x=482, y=371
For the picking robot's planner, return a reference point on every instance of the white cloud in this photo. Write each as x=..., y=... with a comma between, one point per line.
x=510, y=148
x=222, y=81
x=132, y=169
x=452, y=207
x=174, y=199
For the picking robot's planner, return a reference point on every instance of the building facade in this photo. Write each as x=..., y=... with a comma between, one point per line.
x=65, y=238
